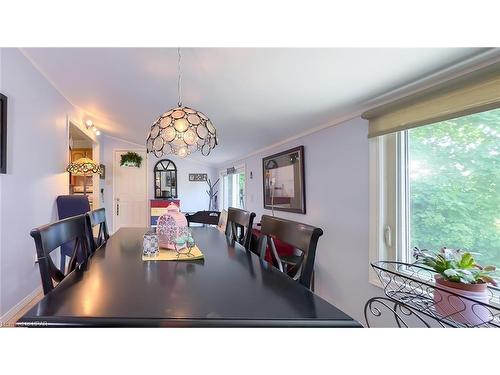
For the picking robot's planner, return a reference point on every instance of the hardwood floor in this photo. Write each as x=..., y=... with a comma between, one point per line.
x=29, y=305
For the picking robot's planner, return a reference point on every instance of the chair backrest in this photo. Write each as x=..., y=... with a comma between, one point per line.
x=301, y=236
x=49, y=237
x=72, y=205
x=68, y=206
x=239, y=225
x=204, y=217
x=94, y=218
x=222, y=221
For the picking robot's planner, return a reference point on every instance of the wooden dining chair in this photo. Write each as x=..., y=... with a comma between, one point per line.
x=204, y=217
x=239, y=226
x=67, y=206
x=97, y=218
x=302, y=237
x=49, y=237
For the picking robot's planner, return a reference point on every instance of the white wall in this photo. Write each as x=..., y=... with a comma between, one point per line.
x=336, y=163
x=192, y=194
x=336, y=177
x=37, y=155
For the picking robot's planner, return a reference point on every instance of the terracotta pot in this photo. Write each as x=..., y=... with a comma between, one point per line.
x=459, y=309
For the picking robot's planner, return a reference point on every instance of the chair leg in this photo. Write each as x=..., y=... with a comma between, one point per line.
x=312, y=282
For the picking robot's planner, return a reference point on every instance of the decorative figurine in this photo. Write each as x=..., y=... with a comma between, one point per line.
x=170, y=226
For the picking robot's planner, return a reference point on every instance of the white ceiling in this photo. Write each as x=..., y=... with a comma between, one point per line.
x=255, y=97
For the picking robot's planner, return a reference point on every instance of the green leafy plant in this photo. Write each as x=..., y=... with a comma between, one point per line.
x=456, y=265
x=457, y=198
x=131, y=159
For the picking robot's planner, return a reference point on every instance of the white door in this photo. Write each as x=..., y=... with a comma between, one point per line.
x=130, y=194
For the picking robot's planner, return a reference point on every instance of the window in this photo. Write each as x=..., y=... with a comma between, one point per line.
x=233, y=187
x=454, y=185
x=439, y=185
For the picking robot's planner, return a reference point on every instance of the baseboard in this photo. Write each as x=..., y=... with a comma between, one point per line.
x=19, y=306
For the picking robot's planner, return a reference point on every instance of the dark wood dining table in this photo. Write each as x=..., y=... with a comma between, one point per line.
x=230, y=287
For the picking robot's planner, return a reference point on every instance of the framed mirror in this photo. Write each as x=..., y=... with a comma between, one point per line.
x=165, y=175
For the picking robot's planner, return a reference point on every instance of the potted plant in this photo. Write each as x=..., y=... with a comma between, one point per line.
x=131, y=159
x=458, y=273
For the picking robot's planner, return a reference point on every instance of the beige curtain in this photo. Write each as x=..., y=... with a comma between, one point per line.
x=476, y=92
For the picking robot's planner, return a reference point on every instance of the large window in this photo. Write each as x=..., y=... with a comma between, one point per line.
x=454, y=185
x=440, y=186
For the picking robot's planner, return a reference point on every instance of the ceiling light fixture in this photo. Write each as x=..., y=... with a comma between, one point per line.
x=181, y=130
x=90, y=126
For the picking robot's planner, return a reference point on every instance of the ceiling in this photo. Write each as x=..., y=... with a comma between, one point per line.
x=254, y=96
x=77, y=135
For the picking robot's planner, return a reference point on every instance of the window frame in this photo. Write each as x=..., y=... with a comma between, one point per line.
x=389, y=177
x=388, y=223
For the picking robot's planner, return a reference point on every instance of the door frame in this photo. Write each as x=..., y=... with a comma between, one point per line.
x=96, y=156
x=146, y=200
x=222, y=174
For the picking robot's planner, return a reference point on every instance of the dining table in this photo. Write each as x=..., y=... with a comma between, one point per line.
x=229, y=287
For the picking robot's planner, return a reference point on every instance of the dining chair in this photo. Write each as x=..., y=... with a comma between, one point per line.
x=302, y=237
x=97, y=218
x=239, y=225
x=204, y=217
x=67, y=206
x=222, y=221
x=49, y=237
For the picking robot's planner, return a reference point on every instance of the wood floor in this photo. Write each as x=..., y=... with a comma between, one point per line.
x=29, y=305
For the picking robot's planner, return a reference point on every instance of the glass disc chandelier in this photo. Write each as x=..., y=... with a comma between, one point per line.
x=181, y=130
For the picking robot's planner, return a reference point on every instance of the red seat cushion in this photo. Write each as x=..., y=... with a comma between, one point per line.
x=282, y=248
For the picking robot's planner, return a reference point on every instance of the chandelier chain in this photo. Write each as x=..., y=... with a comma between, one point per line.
x=179, y=77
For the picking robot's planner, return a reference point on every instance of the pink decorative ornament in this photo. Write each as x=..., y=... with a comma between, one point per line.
x=170, y=225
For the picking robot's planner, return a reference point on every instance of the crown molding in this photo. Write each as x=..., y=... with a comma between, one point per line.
x=482, y=60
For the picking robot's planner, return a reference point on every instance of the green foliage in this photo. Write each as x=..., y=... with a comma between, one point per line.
x=456, y=265
x=454, y=185
x=131, y=159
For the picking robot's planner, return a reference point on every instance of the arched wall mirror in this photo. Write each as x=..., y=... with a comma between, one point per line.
x=165, y=173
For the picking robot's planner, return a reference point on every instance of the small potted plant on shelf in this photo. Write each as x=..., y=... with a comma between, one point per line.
x=458, y=273
x=131, y=159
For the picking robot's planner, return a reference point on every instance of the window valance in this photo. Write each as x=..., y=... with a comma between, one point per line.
x=475, y=92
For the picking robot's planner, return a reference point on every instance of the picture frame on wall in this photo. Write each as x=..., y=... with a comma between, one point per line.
x=195, y=177
x=283, y=181
x=3, y=133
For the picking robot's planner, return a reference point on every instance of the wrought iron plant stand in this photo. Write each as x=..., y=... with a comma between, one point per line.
x=413, y=299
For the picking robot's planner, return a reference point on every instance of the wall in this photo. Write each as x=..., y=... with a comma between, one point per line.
x=192, y=194
x=336, y=175
x=37, y=157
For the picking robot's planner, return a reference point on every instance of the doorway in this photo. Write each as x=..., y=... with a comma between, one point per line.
x=233, y=188
x=130, y=193
x=82, y=146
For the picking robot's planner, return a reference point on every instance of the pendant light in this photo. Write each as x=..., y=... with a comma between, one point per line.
x=84, y=167
x=181, y=130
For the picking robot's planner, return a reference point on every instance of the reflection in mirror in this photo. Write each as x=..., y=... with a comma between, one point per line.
x=165, y=179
